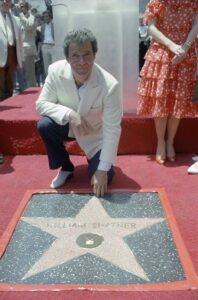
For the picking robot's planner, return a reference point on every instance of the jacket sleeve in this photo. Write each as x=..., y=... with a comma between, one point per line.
x=111, y=120
x=47, y=103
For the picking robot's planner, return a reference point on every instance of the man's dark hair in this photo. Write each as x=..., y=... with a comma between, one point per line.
x=47, y=12
x=79, y=36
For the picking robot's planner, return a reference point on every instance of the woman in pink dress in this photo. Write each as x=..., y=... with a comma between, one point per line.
x=169, y=73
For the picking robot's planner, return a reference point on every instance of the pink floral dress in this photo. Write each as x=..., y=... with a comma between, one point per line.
x=166, y=89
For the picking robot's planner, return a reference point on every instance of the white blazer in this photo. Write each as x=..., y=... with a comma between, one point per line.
x=3, y=41
x=101, y=106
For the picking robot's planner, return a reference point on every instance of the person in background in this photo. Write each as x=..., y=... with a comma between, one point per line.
x=10, y=51
x=39, y=67
x=11, y=48
x=80, y=100
x=169, y=72
x=19, y=78
x=29, y=25
x=144, y=41
x=47, y=40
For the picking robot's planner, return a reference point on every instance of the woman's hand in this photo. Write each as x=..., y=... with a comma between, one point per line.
x=174, y=48
x=180, y=54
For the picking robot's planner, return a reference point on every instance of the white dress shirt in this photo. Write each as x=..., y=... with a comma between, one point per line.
x=48, y=39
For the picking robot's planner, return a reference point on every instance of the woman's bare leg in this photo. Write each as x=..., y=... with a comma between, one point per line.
x=172, y=126
x=160, y=126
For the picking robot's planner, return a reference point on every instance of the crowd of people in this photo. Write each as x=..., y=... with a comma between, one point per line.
x=36, y=42
x=80, y=100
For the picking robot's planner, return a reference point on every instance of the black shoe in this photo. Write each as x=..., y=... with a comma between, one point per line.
x=1, y=158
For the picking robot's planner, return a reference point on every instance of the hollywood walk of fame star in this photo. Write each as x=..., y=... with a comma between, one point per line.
x=91, y=231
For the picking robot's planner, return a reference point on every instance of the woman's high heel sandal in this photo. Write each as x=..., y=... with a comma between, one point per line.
x=170, y=153
x=161, y=154
x=160, y=160
x=171, y=159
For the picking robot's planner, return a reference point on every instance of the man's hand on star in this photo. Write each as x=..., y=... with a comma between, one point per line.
x=99, y=182
x=82, y=126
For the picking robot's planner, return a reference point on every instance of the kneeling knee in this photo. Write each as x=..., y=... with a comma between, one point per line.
x=44, y=125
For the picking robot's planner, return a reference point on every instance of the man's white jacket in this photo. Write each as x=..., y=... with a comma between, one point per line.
x=4, y=42
x=101, y=106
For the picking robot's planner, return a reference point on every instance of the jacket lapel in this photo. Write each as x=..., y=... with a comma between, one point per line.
x=69, y=87
x=91, y=90
x=13, y=25
x=2, y=25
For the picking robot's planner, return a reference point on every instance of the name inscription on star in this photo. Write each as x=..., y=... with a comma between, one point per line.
x=90, y=226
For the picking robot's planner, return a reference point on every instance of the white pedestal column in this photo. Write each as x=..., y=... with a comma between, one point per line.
x=115, y=25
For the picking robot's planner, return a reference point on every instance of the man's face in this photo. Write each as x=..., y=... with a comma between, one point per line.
x=81, y=59
x=5, y=5
x=46, y=18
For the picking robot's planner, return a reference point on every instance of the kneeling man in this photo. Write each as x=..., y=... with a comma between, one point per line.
x=80, y=100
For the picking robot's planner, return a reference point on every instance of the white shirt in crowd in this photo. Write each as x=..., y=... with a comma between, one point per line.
x=48, y=39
